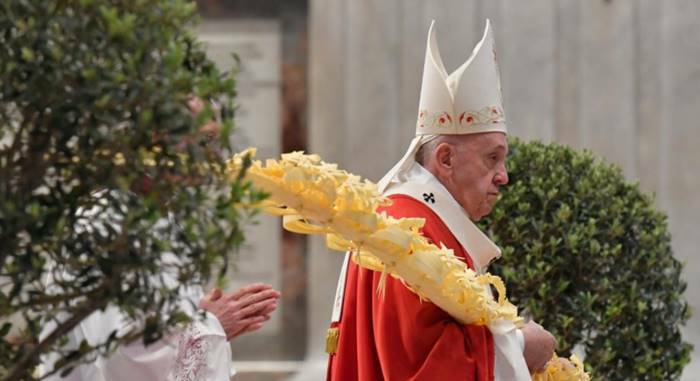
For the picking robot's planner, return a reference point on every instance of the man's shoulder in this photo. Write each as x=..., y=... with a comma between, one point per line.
x=404, y=206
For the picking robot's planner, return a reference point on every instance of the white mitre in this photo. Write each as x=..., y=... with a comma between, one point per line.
x=468, y=101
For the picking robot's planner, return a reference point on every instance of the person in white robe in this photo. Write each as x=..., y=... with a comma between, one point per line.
x=199, y=350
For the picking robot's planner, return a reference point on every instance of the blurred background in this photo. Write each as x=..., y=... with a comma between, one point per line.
x=341, y=78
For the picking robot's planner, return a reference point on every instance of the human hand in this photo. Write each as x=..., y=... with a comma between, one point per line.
x=265, y=312
x=539, y=346
x=245, y=310
x=561, y=362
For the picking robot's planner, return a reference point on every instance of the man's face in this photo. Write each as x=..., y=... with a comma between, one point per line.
x=478, y=171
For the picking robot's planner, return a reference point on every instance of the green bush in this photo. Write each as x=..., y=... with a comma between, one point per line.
x=93, y=95
x=586, y=254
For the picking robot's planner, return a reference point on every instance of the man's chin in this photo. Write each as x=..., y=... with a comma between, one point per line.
x=482, y=212
x=476, y=217
x=485, y=212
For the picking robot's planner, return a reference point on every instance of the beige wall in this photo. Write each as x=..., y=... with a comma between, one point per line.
x=621, y=77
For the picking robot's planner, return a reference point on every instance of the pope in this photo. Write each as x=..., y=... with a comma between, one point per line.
x=450, y=176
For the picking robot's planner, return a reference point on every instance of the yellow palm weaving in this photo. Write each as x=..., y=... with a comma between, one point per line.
x=318, y=198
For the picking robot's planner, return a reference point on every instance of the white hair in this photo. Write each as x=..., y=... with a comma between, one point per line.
x=428, y=147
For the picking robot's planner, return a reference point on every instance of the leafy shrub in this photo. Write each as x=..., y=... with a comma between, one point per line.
x=93, y=95
x=587, y=255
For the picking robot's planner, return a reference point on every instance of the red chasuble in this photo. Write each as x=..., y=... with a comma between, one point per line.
x=396, y=337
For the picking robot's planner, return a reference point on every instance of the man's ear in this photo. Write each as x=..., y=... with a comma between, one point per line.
x=444, y=159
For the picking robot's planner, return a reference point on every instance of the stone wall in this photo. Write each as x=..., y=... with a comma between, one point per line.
x=619, y=77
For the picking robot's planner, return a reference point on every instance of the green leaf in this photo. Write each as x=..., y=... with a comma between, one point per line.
x=28, y=55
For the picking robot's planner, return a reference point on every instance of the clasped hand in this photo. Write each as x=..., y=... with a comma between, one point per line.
x=245, y=310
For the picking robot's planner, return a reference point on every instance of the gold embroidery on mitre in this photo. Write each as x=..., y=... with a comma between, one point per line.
x=487, y=115
x=428, y=119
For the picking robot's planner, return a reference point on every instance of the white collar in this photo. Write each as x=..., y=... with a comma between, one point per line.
x=423, y=186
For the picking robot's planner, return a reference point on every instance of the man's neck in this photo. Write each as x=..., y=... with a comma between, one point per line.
x=445, y=184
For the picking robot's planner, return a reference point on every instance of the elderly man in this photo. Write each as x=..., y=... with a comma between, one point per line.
x=450, y=176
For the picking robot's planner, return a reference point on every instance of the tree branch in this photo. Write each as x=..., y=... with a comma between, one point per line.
x=24, y=363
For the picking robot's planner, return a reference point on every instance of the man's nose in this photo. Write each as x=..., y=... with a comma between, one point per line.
x=501, y=177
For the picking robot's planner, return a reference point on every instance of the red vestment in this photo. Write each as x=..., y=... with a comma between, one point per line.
x=396, y=337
